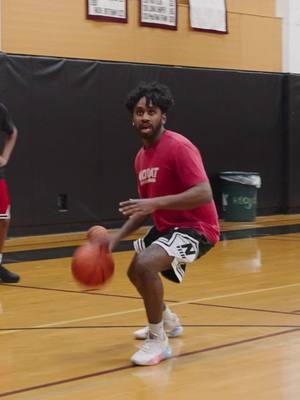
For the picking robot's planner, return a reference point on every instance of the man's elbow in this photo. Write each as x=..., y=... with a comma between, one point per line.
x=207, y=196
x=205, y=193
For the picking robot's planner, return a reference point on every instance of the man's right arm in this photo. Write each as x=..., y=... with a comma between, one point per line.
x=9, y=144
x=134, y=222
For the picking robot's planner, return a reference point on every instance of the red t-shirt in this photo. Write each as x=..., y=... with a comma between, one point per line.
x=172, y=165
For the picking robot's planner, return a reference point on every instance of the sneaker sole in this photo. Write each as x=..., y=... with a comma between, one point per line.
x=155, y=360
x=16, y=280
x=173, y=333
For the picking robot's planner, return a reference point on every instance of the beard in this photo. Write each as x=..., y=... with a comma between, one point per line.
x=149, y=132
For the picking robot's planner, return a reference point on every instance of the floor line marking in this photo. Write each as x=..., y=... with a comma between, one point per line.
x=118, y=313
x=127, y=367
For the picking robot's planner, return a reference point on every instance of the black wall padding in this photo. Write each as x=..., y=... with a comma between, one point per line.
x=292, y=143
x=76, y=136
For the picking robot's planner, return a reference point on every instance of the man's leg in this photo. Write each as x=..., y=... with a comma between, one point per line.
x=144, y=274
x=5, y=275
x=172, y=325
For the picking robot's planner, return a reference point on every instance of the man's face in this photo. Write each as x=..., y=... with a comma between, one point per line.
x=148, y=120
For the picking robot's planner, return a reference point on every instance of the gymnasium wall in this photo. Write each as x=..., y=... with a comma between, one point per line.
x=74, y=158
x=76, y=137
x=60, y=28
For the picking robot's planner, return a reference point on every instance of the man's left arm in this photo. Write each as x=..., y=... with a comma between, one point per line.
x=187, y=200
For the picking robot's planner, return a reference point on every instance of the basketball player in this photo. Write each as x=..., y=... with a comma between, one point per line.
x=174, y=189
x=8, y=128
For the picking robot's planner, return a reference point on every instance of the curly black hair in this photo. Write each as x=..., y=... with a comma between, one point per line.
x=155, y=93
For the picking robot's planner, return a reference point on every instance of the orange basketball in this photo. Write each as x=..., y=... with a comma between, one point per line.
x=98, y=234
x=92, y=264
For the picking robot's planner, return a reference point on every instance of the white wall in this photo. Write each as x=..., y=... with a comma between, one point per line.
x=289, y=11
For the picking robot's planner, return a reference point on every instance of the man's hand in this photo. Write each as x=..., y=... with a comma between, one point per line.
x=140, y=206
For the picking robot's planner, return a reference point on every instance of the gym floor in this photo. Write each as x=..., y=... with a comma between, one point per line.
x=239, y=305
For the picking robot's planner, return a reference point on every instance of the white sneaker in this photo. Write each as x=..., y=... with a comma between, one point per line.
x=153, y=351
x=172, y=327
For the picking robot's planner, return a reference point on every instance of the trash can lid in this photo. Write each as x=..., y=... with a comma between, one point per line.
x=244, y=178
x=238, y=173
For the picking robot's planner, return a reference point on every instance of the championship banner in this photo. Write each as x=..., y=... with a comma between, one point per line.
x=209, y=15
x=159, y=13
x=108, y=10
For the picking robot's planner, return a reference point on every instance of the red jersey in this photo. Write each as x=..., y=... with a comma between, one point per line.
x=172, y=165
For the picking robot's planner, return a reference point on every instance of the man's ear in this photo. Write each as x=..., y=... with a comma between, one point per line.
x=164, y=118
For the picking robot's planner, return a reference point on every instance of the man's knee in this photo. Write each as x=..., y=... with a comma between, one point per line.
x=140, y=268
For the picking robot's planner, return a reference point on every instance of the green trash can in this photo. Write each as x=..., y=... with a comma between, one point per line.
x=239, y=195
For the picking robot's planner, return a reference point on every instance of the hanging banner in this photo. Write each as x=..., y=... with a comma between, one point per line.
x=109, y=10
x=159, y=13
x=209, y=15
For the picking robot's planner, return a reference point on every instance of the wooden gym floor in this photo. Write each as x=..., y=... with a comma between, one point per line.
x=239, y=305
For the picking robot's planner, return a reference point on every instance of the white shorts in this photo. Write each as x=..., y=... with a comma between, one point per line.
x=185, y=245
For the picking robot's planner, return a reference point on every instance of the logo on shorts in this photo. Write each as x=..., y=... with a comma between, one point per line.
x=186, y=250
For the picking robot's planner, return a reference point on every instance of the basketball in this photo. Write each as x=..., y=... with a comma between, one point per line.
x=97, y=233
x=92, y=264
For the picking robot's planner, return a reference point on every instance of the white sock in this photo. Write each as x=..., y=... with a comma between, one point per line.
x=1, y=258
x=157, y=329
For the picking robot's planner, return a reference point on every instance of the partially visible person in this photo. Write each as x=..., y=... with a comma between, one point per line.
x=8, y=128
x=175, y=191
